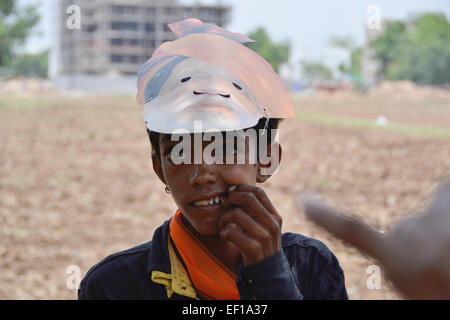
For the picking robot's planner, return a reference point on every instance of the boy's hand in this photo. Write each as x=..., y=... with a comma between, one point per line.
x=415, y=255
x=252, y=223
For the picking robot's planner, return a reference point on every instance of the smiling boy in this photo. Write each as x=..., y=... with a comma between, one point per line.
x=225, y=240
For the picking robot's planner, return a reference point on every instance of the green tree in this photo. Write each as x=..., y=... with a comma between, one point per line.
x=343, y=42
x=30, y=65
x=389, y=44
x=274, y=53
x=356, y=56
x=418, y=50
x=316, y=71
x=15, y=26
x=347, y=43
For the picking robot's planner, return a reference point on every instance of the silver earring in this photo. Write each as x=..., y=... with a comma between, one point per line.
x=167, y=190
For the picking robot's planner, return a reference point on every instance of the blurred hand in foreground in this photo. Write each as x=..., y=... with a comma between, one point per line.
x=415, y=255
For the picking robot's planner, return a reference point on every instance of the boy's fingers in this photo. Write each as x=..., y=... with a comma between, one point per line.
x=260, y=194
x=251, y=204
x=350, y=230
x=249, y=226
x=250, y=248
x=263, y=199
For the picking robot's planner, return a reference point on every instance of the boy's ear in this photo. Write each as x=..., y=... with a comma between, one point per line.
x=156, y=160
x=265, y=170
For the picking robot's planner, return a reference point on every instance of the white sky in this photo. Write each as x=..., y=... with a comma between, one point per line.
x=307, y=24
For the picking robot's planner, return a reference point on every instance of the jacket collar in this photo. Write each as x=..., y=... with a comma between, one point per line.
x=165, y=268
x=159, y=252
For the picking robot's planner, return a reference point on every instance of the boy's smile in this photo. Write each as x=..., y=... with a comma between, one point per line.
x=207, y=201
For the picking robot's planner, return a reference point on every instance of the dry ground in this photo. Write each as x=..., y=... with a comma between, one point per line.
x=76, y=181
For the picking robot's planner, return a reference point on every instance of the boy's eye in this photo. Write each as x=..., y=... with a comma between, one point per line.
x=225, y=151
x=170, y=155
x=237, y=86
x=185, y=79
x=231, y=149
x=179, y=156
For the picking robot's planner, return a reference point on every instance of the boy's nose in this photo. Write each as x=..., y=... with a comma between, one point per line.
x=201, y=175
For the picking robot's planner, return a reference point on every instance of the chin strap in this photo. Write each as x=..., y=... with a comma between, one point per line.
x=266, y=125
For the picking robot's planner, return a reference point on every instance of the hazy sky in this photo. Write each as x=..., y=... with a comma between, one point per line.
x=307, y=24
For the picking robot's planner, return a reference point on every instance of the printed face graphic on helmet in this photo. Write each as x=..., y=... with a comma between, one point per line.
x=198, y=90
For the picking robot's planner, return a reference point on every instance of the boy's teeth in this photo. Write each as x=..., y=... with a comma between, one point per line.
x=209, y=202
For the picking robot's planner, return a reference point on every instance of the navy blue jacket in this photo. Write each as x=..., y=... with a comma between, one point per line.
x=304, y=269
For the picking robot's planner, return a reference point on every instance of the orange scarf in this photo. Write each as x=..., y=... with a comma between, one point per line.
x=210, y=277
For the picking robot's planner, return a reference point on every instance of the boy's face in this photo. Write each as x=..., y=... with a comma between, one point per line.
x=192, y=186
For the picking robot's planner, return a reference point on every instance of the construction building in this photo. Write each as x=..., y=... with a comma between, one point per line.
x=117, y=36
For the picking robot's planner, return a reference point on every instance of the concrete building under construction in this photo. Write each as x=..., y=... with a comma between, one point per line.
x=117, y=36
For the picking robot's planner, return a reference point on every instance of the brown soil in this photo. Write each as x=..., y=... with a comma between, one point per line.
x=76, y=184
